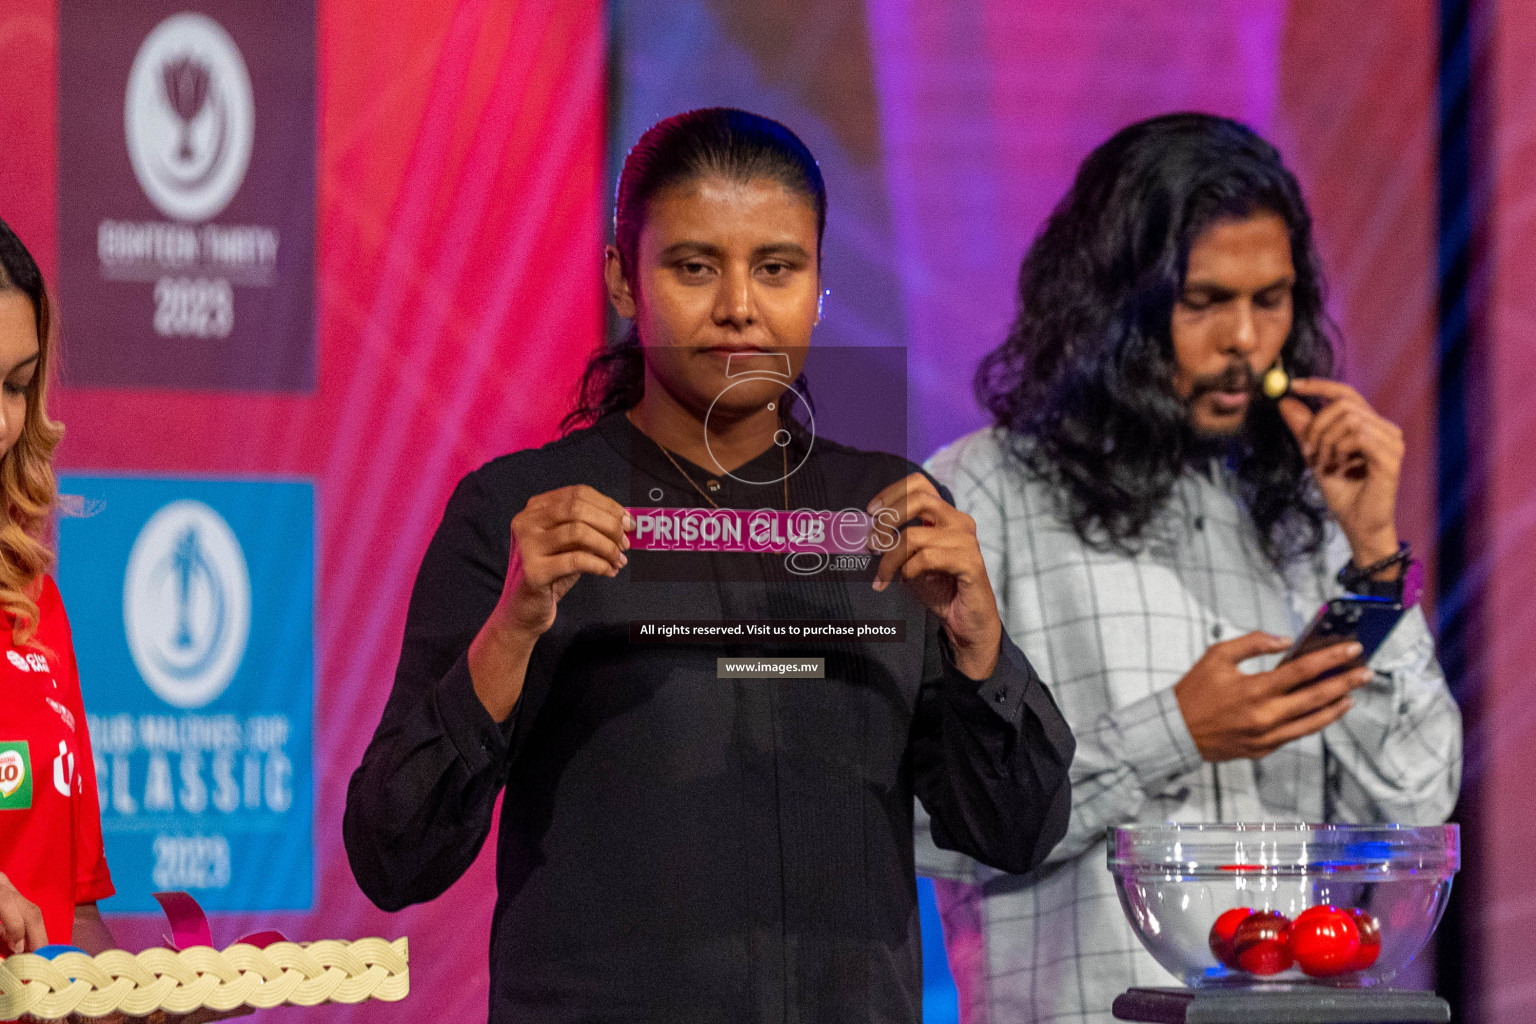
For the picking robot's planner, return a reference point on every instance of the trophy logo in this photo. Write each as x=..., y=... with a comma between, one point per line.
x=189, y=117
x=187, y=604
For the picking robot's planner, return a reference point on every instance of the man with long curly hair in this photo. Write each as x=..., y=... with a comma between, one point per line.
x=1156, y=524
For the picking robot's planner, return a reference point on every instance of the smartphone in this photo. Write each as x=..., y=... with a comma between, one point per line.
x=1366, y=620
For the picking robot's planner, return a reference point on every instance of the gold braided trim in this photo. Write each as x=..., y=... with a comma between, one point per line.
x=162, y=979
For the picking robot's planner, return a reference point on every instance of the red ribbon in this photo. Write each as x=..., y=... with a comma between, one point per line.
x=189, y=925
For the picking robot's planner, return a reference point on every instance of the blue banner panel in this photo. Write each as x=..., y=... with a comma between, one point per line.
x=192, y=607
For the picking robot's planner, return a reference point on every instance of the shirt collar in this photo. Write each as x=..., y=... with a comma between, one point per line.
x=755, y=484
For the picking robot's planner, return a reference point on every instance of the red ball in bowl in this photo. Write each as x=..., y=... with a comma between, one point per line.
x=1370, y=939
x=1262, y=943
x=1325, y=941
x=1222, y=933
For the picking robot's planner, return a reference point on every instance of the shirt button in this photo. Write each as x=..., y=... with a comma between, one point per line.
x=1001, y=696
x=1199, y=522
x=1216, y=631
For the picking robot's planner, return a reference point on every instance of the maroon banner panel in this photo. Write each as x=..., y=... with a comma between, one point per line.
x=187, y=194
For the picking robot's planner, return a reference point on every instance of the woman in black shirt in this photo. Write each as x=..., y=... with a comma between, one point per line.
x=675, y=845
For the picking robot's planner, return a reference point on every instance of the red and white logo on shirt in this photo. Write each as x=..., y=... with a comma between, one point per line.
x=64, y=712
x=64, y=770
x=29, y=663
x=13, y=772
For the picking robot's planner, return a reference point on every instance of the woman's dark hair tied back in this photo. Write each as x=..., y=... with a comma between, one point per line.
x=712, y=142
x=1084, y=379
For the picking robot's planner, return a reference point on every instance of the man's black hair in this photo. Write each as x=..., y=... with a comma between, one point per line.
x=1084, y=380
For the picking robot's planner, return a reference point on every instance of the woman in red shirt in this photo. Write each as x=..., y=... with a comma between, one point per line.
x=52, y=868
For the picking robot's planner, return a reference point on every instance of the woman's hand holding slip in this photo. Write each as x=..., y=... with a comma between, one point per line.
x=558, y=536
x=940, y=558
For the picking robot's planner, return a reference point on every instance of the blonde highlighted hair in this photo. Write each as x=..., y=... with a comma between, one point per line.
x=26, y=469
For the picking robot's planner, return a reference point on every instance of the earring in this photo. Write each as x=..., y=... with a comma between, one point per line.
x=1276, y=381
x=820, y=301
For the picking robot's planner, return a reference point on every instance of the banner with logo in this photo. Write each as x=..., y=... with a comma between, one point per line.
x=192, y=605
x=187, y=194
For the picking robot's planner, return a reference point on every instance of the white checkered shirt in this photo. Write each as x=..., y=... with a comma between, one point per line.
x=1111, y=634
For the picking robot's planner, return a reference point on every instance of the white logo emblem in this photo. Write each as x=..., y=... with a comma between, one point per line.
x=63, y=769
x=38, y=662
x=189, y=117
x=64, y=712
x=187, y=603
x=13, y=772
x=18, y=661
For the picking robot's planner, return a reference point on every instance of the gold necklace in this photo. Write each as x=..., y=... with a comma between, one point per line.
x=783, y=451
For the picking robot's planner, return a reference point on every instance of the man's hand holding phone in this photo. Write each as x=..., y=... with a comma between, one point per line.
x=1233, y=714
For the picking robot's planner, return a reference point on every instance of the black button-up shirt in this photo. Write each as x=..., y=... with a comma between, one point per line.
x=674, y=846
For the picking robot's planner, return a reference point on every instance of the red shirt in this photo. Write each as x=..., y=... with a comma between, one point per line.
x=50, y=822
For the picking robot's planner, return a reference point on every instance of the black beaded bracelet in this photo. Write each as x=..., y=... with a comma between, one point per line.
x=1360, y=580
